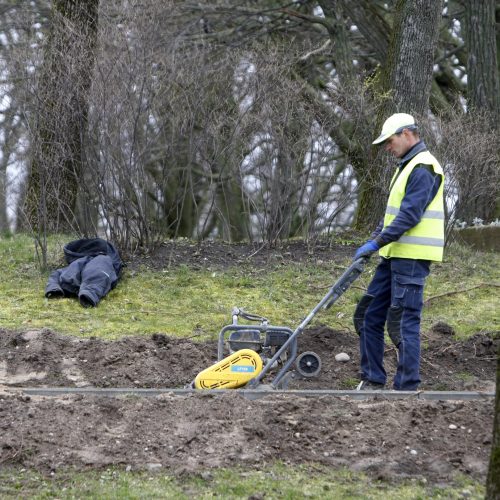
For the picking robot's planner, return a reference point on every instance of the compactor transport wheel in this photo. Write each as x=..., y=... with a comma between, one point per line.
x=308, y=364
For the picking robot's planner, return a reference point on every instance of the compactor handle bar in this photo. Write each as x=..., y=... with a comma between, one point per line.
x=246, y=315
x=342, y=284
x=345, y=281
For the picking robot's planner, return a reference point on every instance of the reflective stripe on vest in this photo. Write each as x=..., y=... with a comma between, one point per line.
x=426, y=239
x=428, y=214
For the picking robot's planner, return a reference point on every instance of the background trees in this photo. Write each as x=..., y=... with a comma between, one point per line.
x=243, y=120
x=58, y=120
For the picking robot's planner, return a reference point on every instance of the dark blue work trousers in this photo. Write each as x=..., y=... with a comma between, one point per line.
x=394, y=297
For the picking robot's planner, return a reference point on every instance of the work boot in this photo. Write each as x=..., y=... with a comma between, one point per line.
x=367, y=385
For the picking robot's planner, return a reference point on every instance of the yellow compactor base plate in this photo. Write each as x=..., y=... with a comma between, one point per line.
x=234, y=371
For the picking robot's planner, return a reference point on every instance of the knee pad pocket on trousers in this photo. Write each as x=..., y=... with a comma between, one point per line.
x=394, y=316
x=360, y=312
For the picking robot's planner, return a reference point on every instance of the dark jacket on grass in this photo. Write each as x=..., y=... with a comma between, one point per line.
x=93, y=270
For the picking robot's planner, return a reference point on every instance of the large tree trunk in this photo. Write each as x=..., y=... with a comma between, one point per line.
x=60, y=119
x=484, y=102
x=10, y=137
x=408, y=72
x=405, y=84
x=482, y=79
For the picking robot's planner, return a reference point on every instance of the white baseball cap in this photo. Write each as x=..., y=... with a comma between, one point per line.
x=395, y=124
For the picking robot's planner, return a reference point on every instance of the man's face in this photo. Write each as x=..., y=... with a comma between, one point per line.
x=399, y=144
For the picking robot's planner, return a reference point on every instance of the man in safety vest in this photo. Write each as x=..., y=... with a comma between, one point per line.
x=409, y=237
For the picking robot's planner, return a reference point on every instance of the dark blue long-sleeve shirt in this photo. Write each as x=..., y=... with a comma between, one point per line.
x=421, y=188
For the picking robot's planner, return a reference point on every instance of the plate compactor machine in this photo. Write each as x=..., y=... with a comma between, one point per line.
x=246, y=353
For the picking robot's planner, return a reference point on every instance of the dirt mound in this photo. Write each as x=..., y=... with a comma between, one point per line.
x=388, y=439
x=218, y=255
x=44, y=358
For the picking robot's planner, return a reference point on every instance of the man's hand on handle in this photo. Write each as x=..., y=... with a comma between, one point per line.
x=366, y=250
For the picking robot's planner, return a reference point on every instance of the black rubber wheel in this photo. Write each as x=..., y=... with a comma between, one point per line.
x=308, y=364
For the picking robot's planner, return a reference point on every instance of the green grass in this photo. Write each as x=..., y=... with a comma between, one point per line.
x=466, y=377
x=349, y=383
x=276, y=481
x=197, y=303
x=466, y=288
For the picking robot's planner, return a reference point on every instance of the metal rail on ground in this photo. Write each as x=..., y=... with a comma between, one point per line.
x=248, y=393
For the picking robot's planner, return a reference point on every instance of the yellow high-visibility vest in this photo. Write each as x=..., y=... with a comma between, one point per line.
x=426, y=239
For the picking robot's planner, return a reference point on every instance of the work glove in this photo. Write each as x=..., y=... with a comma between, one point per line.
x=366, y=250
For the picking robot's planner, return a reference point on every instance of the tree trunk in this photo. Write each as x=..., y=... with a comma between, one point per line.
x=10, y=137
x=4, y=222
x=484, y=104
x=284, y=179
x=482, y=79
x=497, y=22
x=408, y=72
x=493, y=479
x=372, y=196
x=282, y=191
x=61, y=117
x=405, y=87
x=233, y=215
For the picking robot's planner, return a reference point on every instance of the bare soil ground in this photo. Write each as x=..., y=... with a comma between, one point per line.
x=388, y=439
